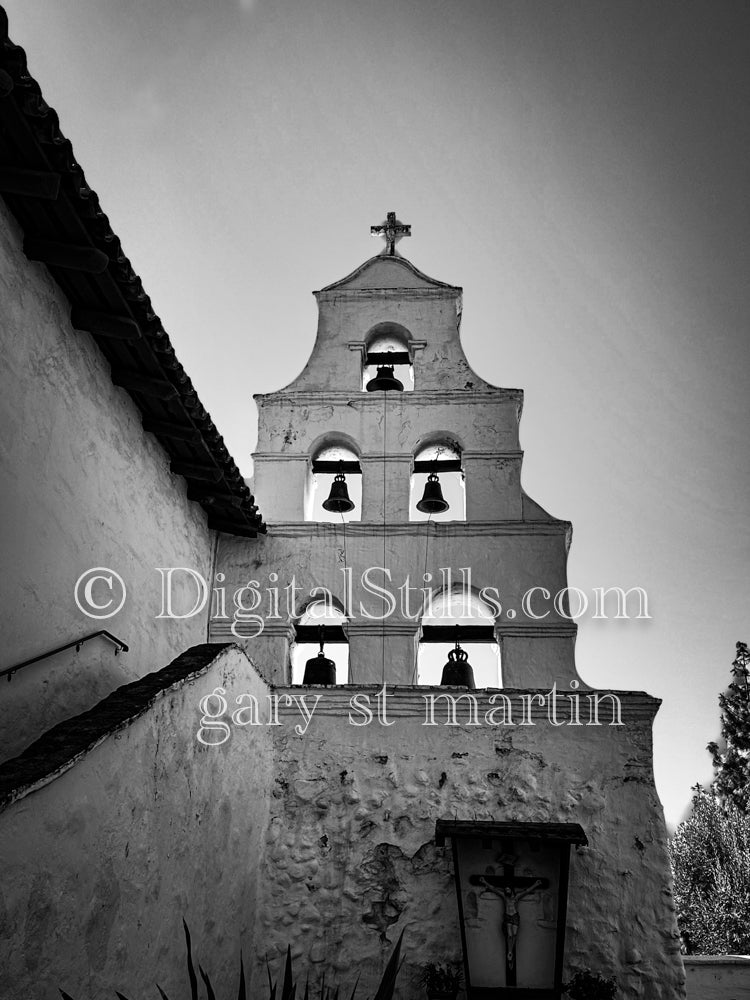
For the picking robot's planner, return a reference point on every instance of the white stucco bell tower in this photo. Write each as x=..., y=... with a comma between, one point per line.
x=447, y=419
x=359, y=802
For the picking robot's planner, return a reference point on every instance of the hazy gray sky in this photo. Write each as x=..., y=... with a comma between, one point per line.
x=580, y=168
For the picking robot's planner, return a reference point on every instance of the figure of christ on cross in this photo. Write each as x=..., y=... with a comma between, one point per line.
x=511, y=889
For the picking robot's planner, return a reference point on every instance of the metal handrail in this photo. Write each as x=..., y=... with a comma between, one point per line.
x=120, y=646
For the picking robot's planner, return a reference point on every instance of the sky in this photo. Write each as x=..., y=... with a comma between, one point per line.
x=579, y=168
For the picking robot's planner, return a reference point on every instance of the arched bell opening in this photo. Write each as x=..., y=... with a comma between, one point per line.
x=387, y=363
x=320, y=652
x=334, y=490
x=458, y=631
x=437, y=489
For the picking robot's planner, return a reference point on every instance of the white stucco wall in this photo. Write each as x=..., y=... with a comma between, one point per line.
x=315, y=555
x=81, y=486
x=718, y=977
x=101, y=865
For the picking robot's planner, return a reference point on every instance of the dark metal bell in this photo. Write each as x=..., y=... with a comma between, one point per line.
x=320, y=670
x=384, y=381
x=433, y=501
x=338, y=501
x=457, y=672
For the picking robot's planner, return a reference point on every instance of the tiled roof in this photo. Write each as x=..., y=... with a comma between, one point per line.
x=65, y=228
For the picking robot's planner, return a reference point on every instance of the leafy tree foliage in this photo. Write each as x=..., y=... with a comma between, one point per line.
x=710, y=851
x=710, y=857
x=732, y=760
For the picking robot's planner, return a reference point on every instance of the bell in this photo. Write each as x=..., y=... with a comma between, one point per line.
x=384, y=381
x=457, y=671
x=338, y=501
x=320, y=669
x=432, y=501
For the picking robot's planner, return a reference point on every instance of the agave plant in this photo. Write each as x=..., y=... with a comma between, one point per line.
x=288, y=985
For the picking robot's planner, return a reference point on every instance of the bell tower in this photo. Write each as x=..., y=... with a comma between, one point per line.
x=390, y=474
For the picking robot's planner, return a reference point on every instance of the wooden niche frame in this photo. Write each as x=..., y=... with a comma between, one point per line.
x=553, y=842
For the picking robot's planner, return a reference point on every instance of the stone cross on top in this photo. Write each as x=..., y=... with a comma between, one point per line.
x=392, y=231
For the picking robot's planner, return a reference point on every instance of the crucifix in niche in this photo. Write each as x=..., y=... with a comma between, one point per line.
x=512, y=889
x=512, y=895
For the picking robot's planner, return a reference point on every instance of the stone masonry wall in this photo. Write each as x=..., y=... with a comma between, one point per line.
x=351, y=860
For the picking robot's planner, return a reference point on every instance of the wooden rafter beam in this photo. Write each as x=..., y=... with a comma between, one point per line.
x=213, y=496
x=160, y=388
x=232, y=527
x=449, y=633
x=105, y=324
x=311, y=633
x=439, y=465
x=195, y=470
x=387, y=358
x=29, y=183
x=349, y=468
x=173, y=431
x=67, y=255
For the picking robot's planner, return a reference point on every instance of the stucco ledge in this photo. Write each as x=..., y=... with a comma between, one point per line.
x=62, y=746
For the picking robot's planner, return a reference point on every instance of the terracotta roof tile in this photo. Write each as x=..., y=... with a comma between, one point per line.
x=65, y=227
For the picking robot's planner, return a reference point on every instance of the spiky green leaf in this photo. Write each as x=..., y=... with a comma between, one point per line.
x=271, y=984
x=388, y=982
x=241, y=993
x=288, y=988
x=191, y=970
x=209, y=988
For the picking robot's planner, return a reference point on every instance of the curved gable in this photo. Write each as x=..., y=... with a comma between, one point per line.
x=386, y=271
